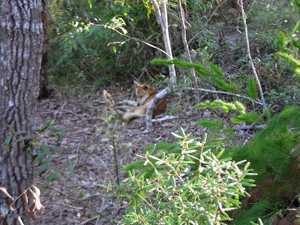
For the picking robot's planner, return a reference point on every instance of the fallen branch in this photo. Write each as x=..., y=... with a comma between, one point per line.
x=165, y=118
x=250, y=127
x=127, y=102
x=153, y=102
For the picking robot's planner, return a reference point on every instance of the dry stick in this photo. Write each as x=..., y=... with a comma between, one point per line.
x=152, y=103
x=188, y=56
x=136, y=39
x=215, y=11
x=240, y=2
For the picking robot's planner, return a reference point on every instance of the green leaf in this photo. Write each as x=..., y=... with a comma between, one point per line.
x=46, y=150
x=71, y=169
x=8, y=140
x=247, y=117
x=59, y=149
x=296, y=27
x=220, y=153
x=114, y=49
x=90, y=4
x=46, y=125
x=23, y=138
x=43, y=168
x=251, y=88
x=51, y=177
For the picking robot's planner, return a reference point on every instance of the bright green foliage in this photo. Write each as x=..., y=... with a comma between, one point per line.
x=247, y=117
x=226, y=106
x=287, y=45
x=236, y=106
x=240, y=107
x=274, y=143
x=292, y=61
x=218, y=71
x=183, y=64
x=267, y=113
x=84, y=48
x=273, y=153
x=225, y=86
x=189, y=185
x=262, y=208
x=216, y=76
x=251, y=88
x=211, y=124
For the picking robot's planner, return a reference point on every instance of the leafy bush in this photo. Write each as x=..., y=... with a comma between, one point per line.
x=189, y=184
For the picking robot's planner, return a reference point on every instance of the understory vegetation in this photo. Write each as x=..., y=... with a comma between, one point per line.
x=207, y=179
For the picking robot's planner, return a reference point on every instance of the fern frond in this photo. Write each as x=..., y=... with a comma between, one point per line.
x=251, y=88
x=225, y=86
x=240, y=107
x=218, y=71
x=247, y=117
x=211, y=124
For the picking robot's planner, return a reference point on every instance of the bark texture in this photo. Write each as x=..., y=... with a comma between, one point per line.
x=20, y=65
x=44, y=91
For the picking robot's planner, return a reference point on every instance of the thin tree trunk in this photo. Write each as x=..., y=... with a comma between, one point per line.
x=20, y=65
x=240, y=2
x=188, y=56
x=44, y=91
x=162, y=18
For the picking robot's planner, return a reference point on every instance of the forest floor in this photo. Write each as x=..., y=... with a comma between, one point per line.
x=87, y=145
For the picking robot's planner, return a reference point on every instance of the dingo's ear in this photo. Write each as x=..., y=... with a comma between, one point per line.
x=136, y=83
x=145, y=87
x=151, y=90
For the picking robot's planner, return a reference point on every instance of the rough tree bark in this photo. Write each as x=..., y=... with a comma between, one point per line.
x=44, y=91
x=20, y=65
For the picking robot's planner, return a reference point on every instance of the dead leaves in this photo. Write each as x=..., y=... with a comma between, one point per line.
x=36, y=203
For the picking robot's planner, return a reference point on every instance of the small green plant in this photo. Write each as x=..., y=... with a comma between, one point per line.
x=44, y=156
x=189, y=185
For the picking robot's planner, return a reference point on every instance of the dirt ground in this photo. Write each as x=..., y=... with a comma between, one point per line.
x=87, y=146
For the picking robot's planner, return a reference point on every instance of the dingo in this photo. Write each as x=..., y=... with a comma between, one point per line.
x=144, y=94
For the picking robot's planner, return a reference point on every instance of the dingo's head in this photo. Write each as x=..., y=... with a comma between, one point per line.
x=143, y=92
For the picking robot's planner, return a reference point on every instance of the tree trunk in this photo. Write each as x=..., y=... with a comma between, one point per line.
x=20, y=65
x=162, y=18
x=44, y=91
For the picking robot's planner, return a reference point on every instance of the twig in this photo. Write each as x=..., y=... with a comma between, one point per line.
x=188, y=56
x=136, y=39
x=240, y=2
x=215, y=11
x=165, y=118
x=226, y=93
x=258, y=127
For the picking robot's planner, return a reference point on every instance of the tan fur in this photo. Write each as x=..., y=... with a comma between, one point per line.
x=144, y=94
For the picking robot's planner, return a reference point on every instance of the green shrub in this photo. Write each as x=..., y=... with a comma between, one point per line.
x=189, y=184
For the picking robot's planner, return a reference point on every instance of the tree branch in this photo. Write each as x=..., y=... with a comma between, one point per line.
x=240, y=2
x=226, y=93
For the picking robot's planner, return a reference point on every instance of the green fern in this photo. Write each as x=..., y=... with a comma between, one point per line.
x=210, y=124
x=225, y=86
x=218, y=71
x=247, y=117
x=226, y=106
x=251, y=88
